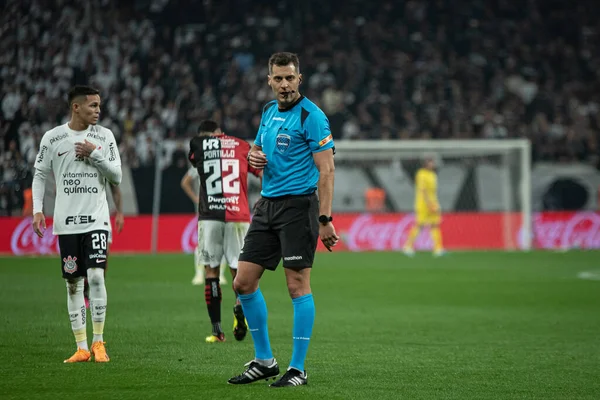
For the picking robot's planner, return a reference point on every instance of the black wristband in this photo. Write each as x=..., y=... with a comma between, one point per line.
x=324, y=219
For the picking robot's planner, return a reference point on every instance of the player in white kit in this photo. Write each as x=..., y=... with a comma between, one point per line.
x=85, y=160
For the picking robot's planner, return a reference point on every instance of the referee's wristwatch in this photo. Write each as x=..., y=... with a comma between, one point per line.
x=324, y=219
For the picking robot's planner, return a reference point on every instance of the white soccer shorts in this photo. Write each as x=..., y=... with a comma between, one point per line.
x=217, y=239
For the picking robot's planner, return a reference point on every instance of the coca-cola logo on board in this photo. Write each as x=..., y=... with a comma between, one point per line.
x=366, y=233
x=24, y=240
x=578, y=230
x=189, y=237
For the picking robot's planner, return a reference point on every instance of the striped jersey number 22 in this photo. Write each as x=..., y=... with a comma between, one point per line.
x=223, y=176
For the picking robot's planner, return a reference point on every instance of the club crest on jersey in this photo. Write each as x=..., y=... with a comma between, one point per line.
x=70, y=264
x=282, y=142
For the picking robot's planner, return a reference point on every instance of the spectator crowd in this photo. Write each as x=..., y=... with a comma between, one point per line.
x=410, y=69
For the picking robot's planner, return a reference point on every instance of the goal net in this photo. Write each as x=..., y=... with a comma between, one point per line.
x=483, y=189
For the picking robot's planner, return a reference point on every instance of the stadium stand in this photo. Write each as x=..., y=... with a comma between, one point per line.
x=380, y=70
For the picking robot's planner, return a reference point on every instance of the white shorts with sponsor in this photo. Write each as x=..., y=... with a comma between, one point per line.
x=217, y=239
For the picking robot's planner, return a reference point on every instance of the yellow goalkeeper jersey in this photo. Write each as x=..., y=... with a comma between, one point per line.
x=425, y=183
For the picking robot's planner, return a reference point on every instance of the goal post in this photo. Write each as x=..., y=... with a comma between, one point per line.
x=475, y=177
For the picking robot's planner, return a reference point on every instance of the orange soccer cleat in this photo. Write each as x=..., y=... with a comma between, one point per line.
x=99, y=352
x=80, y=355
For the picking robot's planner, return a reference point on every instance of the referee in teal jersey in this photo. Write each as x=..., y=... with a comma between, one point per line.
x=294, y=147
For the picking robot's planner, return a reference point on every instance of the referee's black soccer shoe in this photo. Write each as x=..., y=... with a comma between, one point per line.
x=292, y=377
x=256, y=372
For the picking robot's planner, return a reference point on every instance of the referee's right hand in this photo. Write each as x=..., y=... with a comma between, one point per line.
x=257, y=159
x=39, y=221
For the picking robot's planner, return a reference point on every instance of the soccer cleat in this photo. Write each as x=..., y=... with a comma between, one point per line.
x=215, y=338
x=255, y=372
x=80, y=355
x=409, y=251
x=198, y=280
x=292, y=377
x=240, y=325
x=99, y=352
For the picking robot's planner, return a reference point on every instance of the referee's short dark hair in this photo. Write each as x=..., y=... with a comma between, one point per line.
x=282, y=59
x=208, y=126
x=80, y=90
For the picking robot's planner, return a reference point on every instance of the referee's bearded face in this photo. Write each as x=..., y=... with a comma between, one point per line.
x=285, y=80
x=88, y=109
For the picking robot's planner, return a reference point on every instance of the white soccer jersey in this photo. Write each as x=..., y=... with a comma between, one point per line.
x=193, y=173
x=81, y=204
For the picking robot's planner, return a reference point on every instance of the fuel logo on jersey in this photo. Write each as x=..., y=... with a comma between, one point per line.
x=79, y=219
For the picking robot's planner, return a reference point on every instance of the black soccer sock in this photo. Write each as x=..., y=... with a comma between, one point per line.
x=213, y=297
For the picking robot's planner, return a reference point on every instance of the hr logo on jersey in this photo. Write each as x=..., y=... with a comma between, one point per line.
x=70, y=264
x=282, y=143
x=79, y=219
x=210, y=144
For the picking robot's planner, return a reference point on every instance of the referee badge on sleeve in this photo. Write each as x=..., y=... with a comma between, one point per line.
x=283, y=142
x=326, y=140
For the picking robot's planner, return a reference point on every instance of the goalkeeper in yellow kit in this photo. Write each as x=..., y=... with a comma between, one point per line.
x=427, y=208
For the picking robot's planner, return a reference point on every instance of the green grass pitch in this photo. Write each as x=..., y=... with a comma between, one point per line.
x=481, y=325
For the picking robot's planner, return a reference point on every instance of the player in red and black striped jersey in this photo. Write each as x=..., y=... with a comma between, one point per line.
x=223, y=213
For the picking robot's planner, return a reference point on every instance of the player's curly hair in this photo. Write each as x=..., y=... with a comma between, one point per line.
x=282, y=59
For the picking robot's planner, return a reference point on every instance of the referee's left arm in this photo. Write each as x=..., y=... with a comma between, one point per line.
x=320, y=141
x=325, y=165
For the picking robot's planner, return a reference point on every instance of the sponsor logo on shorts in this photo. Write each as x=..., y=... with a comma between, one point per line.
x=292, y=258
x=70, y=264
x=99, y=255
